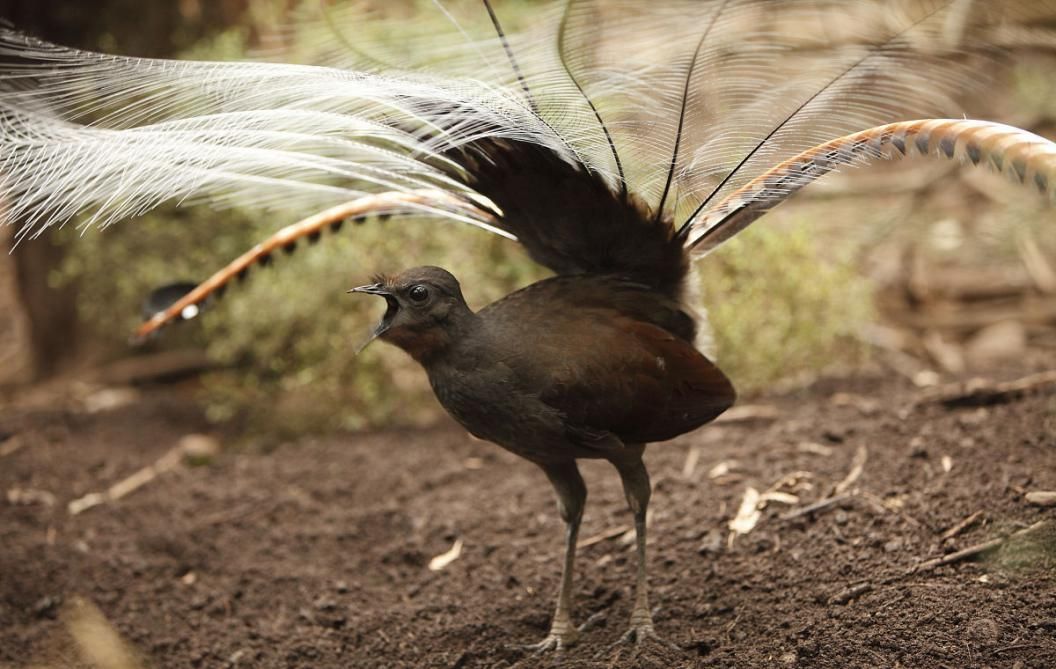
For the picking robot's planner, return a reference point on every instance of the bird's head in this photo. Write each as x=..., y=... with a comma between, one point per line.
x=426, y=310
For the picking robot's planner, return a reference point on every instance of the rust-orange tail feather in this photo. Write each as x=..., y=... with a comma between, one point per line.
x=358, y=209
x=1024, y=157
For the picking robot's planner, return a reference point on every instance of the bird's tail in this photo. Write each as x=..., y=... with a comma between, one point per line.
x=311, y=228
x=1022, y=156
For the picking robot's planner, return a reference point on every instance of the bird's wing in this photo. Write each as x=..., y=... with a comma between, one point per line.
x=635, y=380
x=635, y=374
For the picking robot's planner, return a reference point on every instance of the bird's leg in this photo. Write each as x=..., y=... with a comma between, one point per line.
x=637, y=489
x=571, y=497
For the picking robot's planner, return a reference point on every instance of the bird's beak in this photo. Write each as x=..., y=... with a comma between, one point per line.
x=390, y=313
x=371, y=289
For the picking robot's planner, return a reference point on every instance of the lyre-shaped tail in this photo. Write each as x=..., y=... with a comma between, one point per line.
x=381, y=204
x=1024, y=157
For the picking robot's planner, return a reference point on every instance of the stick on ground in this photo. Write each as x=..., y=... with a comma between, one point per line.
x=981, y=392
x=972, y=551
x=127, y=485
x=850, y=593
x=961, y=526
x=611, y=533
x=857, y=466
x=820, y=505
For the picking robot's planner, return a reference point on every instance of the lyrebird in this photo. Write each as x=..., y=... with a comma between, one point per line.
x=617, y=144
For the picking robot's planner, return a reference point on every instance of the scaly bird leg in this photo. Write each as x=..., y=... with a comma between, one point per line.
x=571, y=498
x=637, y=489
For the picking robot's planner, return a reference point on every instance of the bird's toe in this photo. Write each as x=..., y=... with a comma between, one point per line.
x=640, y=637
x=553, y=643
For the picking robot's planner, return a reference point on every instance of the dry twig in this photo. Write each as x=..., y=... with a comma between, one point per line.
x=1041, y=498
x=127, y=485
x=961, y=526
x=850, y=593
x=820, y=505
x=12, y=445
x=980, y=392
x=612, y=533
x=857, y=466
x=972, y=551
x=749, y=412
x=97, y=642
x=444, y=559
x=690, y=466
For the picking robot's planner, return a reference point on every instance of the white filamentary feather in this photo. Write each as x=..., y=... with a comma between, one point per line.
x=681, y=102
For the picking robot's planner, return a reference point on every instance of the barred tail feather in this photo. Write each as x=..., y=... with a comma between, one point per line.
x=381, y=204
x=1024, y=157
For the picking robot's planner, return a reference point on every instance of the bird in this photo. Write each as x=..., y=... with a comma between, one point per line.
x=617, y=144
x=572, y=367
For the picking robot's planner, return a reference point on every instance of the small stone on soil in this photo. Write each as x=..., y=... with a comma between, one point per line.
x=712, y=543
x=199, y=449
x=46, y=607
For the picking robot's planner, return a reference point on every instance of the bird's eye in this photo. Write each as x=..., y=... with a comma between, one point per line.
x=419, y=293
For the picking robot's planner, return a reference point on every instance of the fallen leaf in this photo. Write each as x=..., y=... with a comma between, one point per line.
x=748, y=513
x=723, y=468
x=780, y=497
x=444, y=559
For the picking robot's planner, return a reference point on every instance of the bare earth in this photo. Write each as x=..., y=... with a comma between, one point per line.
x=316, y=553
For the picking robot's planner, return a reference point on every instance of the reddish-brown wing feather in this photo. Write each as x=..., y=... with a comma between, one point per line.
x=640, y=383
x=614, y=357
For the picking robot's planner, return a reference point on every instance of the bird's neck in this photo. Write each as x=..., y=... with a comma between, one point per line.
x=430, y=343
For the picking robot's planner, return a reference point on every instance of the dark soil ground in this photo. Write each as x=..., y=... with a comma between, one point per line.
x=316, y=553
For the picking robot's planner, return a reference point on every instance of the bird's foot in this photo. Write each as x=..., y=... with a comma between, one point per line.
x=554, y=642
x=640, y=636
x=643, y=633
x=563, y=636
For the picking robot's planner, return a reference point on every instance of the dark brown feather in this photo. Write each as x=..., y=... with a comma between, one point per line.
x=570, y=220
x=613, y=357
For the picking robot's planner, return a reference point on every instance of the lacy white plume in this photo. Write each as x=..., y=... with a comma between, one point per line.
x=681, y=102
x=118, y=136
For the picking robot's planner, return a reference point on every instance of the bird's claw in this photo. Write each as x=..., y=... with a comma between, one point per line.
x=638, y=635
x=553, y=642
x=557, y=641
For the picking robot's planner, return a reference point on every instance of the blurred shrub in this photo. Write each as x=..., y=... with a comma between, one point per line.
x=780, y=307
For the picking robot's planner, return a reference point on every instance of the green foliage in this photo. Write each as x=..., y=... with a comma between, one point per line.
x=780, y=307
